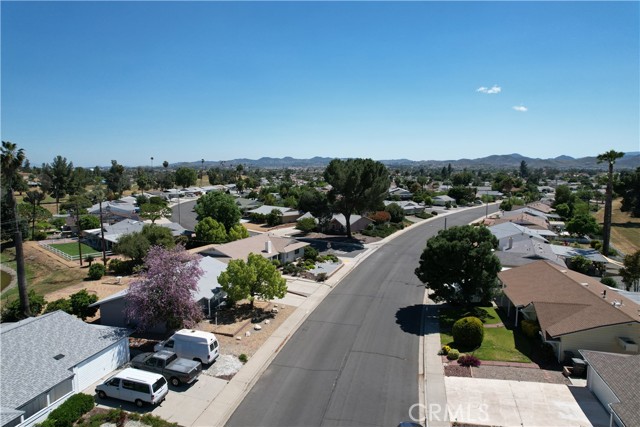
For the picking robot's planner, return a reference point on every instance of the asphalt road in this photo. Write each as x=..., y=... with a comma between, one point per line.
x=354, y=361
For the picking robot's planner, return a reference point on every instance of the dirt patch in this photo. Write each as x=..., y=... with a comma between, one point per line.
x=455, y=370
x=625, y=230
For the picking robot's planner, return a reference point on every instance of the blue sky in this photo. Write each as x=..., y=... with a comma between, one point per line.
x=182, y=81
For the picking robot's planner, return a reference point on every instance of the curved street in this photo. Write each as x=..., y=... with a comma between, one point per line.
x=354, y=360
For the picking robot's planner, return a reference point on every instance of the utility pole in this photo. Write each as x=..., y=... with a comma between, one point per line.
x=79, y=232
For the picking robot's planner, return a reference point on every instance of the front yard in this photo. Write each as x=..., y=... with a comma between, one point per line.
x=500, y=342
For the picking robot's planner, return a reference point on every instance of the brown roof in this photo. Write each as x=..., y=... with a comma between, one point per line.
x=566, y=301
x=525, y=219
x=620, y=372
x=240, y=249
x=539, y=206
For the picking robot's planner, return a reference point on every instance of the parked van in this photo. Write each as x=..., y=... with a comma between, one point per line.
x=191, y=344
x=135, y=385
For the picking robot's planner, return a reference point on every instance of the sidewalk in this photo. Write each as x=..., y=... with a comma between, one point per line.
x=435, y=411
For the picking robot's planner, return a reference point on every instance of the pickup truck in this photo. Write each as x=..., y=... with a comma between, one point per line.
x=176, y=370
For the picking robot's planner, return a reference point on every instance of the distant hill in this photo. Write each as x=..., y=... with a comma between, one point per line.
x=497, y=161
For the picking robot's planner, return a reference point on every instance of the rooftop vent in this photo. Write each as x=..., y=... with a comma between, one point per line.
x=59, y=356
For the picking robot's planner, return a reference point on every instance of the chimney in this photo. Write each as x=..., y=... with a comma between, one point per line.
x=267, y=246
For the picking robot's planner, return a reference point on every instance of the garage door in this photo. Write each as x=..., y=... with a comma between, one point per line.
x=102, y=364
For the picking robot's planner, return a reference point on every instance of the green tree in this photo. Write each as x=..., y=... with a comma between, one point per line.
x=462, y=195
x=208, y=230
x=33, y=214
x=186, y=177
x=306, y=225
x=274, y=217
x=88, y=222
x=143, y=180
x=256, y=278
x=237, y=232
x=116, y=179
x=136, y=245
x=10, y=161
x=580, y=264
x=56, y=178
x=155, y=209
x=458, y=265
x=629, y=188
x=80, y=302
x=583, y=224
x=610, y=158
x=563, y=210
x=630, y=273
x=524, y=170
x=158, y=236
x=358, y=186
x=396, y=212
x=59, y=304
x=14, y=312
x=219, y=206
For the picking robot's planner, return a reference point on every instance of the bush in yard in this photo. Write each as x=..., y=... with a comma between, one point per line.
x=243, y=358
x=434, y=213
x=444, y=350
x=70, y=411
x=530, y=328
x=469, y=360
x=468, y=332
x=380, y=217
x=453, y=354
x=310, y=253
x=96, y=271
x=609, y=281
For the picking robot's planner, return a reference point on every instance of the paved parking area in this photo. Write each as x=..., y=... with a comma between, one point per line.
x=521, y=403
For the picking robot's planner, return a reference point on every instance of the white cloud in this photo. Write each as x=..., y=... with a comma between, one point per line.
x=489, y=90
x=520, y=108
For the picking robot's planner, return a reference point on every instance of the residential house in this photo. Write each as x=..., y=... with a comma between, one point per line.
x=338, y=223
x=246, y=205
x=527, y=251
x=487, y=191
x=568, y=252
x=284, y=249
x=116, y=210
x=443, y=200
x=575, y=311
x=409, y=207
x=113, y=232
x=288, y=214
x=613, y=378
x=49, y=358
x=525, y=220
x=509, y=233
x=401, y=193
x=209, y=294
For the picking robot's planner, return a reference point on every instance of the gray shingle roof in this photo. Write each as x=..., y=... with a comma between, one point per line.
x=620, y=372
x=28, y=367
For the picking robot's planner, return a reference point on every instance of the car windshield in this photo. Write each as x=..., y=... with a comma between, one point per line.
x=159, y=384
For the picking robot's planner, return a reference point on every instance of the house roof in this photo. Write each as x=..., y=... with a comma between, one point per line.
x=539, y=206
x=240, y=249
x=525, y=219
x=509, y=229
x=113, y=232
x=31, y=350
x=352, y=219
x=620, y=372
x=266, y=210
x=570, y=252
x=524, y=252
x=566, y=301
x=444, y=198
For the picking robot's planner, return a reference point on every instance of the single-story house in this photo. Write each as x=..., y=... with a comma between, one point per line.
x=338, y=223
x=288, y=214
x=208, y=294
x=443, y=200
x=541, y=207
x=487, y=191
x=575, y=311
x=613, y=378
x=284, y=249
x=246, y=205
x=524, y=219
x=401, y=193
x=112, y=232
x=524, y=252
x=568, y=252
x=49, y=358
x=509, y=233
x=116, y=210
x=409, y=207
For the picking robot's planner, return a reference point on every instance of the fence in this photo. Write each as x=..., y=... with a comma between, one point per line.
x=47, y=245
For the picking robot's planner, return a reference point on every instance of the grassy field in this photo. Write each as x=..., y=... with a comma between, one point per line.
x=625, y=230
x=72, y=249
x=499, y=344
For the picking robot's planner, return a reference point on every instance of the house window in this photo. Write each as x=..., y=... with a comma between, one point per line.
x=61, y=390
x=297, y=251
x=34, y=406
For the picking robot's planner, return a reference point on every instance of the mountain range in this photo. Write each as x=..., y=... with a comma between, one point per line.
x=497, y=161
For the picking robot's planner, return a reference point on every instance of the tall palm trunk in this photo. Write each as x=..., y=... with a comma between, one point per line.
x=17, y=241
x=606, y=238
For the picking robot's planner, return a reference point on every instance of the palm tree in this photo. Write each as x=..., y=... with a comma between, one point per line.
x=11, y=160
x=610, y=157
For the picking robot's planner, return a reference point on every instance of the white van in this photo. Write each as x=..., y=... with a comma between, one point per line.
x=135, y=385
x=191, y=344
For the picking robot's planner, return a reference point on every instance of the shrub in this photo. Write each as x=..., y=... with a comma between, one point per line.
x=380, y=217
x=453, y=354
x=434, y=213
x=59, y=304
x=121, y=268
x=96, y=271
x=70, y=411
x=530, y=328
x=424, y=215
x=275, y=262
x=596, y=244
x=39, y=235
x=468, y=332
x=609, y=281
x=310, y=253
x=243, y=358
x=321, y=277
x=469, y=360
x=444, y=350
x=306, y=225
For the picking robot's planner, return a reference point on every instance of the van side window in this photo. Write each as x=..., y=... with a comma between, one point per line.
x=142, y=388
x=115, y=382
x=151, y=362
x=129, y=385
x=213, y=345
x=168, y=344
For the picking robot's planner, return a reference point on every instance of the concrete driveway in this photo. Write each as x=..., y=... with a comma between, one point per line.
x=519, y=403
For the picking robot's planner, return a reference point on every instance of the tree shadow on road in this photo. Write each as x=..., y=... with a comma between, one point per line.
x=409, y=318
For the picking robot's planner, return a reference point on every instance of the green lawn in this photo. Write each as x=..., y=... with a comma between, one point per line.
x=72, y=249
x=499, y=344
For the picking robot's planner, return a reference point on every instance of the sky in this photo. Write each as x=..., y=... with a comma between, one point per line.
x=184, y=81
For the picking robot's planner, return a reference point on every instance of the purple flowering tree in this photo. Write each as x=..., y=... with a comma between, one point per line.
x=164, y=293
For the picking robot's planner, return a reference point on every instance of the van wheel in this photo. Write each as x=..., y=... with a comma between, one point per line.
x=139, y=403
x=175, y=382
x=102, y=394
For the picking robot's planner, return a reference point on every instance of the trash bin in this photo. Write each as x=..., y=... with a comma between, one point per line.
x=579, y=367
